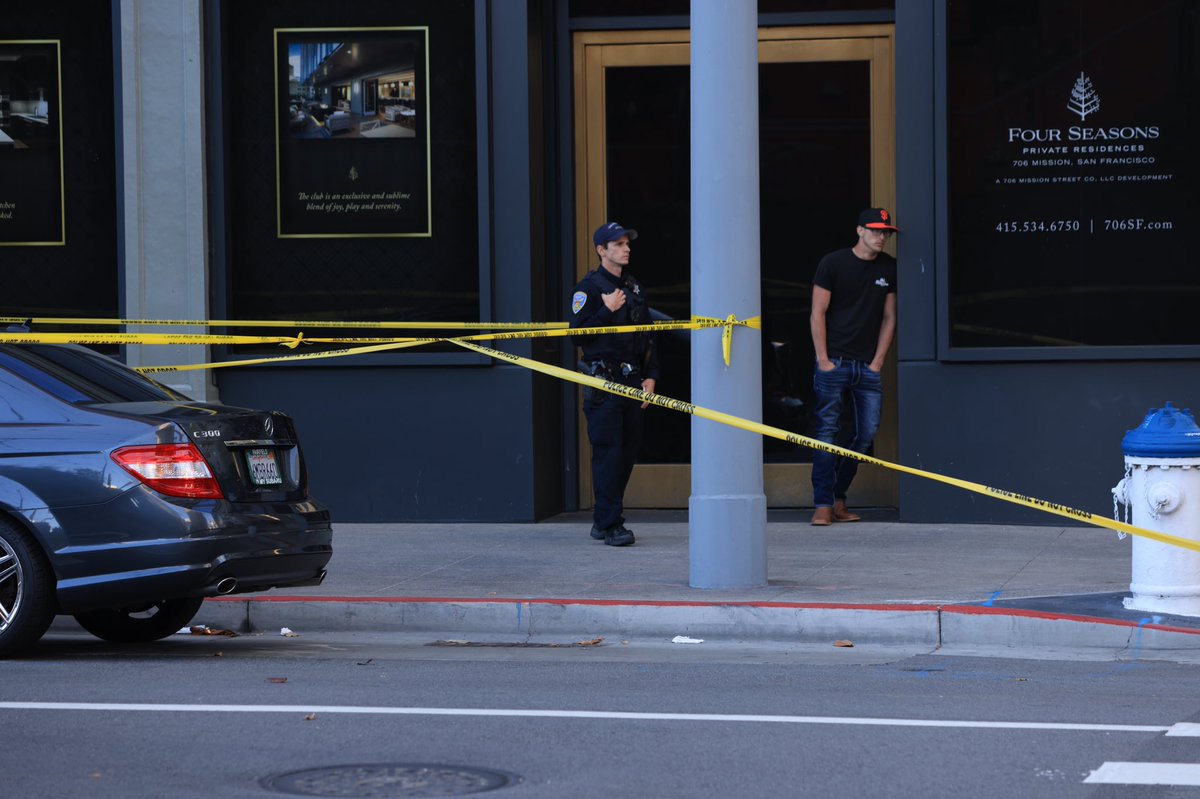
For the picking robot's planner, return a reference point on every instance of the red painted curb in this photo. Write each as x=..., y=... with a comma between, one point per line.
x=980, y=610
x=594, y=602
x=962, y=610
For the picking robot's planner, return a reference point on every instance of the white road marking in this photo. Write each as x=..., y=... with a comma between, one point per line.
x=1117, y=773
x=577, y=714
x=1185, y=729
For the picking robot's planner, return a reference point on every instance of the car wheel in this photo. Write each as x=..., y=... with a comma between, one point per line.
x=143, y=623
x=26, y=590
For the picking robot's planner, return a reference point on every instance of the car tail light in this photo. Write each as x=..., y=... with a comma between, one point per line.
x=177, y=470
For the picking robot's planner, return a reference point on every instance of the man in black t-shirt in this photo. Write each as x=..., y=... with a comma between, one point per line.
x=853, y=322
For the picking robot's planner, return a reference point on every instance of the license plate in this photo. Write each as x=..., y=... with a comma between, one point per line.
x=264, y=471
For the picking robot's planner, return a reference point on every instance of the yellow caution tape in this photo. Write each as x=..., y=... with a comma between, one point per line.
x=522, y=330
x=552, y=329
x=56, y=320
x=697, y=323
x=793, y=438
x=192, y=367
x=142, y=338
x=727, y=332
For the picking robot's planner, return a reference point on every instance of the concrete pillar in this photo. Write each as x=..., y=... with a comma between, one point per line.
x=727, y=510
x=166, y=232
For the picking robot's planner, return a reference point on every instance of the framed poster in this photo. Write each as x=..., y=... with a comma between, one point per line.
x=1072, y=175
x=352, y=132
x=31, y=152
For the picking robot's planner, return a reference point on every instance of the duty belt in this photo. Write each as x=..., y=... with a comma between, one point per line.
x=609, y=370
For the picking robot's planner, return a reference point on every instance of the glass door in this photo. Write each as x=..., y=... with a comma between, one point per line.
x=826, y=149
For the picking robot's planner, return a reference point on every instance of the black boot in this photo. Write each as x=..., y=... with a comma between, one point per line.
x=618, y=536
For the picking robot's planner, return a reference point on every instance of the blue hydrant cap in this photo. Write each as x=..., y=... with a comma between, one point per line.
x=1167, y=432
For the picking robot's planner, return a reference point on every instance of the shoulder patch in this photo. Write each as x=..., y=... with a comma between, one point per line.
x=578, y=301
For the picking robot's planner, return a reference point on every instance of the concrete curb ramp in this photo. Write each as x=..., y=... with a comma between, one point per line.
x=910, y=625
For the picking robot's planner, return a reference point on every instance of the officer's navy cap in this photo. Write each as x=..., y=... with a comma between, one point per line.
x=611, y=231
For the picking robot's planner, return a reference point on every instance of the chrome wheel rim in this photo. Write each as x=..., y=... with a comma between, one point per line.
x=11, y=578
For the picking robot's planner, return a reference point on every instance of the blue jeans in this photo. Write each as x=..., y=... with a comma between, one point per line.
x=851, y=381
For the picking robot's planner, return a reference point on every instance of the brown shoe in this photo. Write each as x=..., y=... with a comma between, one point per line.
x=842, y=514
x=822, y=517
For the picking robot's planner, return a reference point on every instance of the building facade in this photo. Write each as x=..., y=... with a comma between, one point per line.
x=445, y=161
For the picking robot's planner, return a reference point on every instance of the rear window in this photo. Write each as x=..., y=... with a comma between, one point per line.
x=80, y=376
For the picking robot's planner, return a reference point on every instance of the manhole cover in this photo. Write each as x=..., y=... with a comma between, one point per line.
x=390, y=780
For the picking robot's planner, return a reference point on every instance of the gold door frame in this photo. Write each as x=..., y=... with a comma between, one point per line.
x=786, y=485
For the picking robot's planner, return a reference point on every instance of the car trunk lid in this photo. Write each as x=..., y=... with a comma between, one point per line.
x=254, y=455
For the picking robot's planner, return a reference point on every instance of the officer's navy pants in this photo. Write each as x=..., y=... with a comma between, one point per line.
x=614, y=427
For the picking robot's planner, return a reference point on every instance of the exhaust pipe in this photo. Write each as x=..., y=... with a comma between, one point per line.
x=226, y=585
x=316, y=579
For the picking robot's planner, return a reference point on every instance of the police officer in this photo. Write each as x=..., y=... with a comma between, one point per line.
x=606, y=297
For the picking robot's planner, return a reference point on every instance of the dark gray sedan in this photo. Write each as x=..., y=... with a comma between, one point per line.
x=124, y=503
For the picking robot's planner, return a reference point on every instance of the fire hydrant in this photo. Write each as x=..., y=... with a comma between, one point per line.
x=1162, y=488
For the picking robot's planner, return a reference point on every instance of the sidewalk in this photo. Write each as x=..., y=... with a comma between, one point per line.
x=876, y=581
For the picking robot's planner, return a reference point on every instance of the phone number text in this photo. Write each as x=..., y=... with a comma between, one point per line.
x=1076, y=225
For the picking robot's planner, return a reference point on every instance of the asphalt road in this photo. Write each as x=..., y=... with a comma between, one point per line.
x=213, y=716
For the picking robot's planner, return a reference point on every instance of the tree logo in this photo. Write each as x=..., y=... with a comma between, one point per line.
x=1084, y=99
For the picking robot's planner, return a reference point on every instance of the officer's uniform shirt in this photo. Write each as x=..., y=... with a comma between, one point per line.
x=588, y=310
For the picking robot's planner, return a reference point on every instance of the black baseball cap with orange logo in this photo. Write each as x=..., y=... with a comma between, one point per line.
x=876, y=219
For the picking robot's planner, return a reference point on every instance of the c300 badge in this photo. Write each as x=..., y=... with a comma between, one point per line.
x=578, y=301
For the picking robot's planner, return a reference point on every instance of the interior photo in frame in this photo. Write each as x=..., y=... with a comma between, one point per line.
x=353, y=132
x=31, y=172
